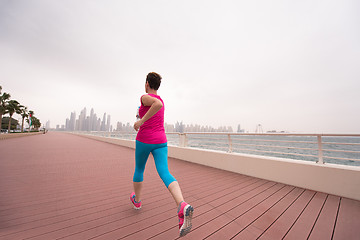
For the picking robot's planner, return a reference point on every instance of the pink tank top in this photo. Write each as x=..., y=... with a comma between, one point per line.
x=152, y=131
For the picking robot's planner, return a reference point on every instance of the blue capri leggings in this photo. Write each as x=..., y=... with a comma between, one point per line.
x=160, y=153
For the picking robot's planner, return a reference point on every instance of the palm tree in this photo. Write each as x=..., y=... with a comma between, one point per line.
x=36, y=123
x=4, y=98
x=12, y=107
x=24, y=114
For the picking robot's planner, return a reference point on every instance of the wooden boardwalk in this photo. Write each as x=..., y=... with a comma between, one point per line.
x=62, y=186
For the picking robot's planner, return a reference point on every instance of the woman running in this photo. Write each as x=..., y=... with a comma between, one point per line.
x=151, y=138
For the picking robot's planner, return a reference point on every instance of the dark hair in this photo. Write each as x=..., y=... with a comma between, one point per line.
x=154, y=80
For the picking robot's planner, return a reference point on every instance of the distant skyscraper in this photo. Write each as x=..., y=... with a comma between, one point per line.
x=103, y=123
x=67, y=125
x=94, y=123
x=239, y=130
x=108, y=124
x=98, y=124
x=47, y=126
x=91, y=123
x=72, y=122
x=118, y=126
x=87, y=124
x=179, y=127
x=82, y=119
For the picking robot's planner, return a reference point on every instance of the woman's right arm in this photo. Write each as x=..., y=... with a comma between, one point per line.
x=155, y=105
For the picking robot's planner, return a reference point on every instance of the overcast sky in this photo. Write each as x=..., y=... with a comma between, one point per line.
x=288, y=65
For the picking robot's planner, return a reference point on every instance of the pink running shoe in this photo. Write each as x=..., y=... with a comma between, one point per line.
x=137, y=205
x=185, y=212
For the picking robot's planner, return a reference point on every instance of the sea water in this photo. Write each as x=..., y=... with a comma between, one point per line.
x=289, y=147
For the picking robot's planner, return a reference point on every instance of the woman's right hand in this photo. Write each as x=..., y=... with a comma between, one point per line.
x=138, y=124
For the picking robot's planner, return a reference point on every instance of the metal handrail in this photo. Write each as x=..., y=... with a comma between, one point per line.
x=319, y=142
x=264, y=140
x=334, y=143
x=346, y=159
x=295, y=154
x=286, y=147
x=272, y=134
x=231, y=142
x=331, y=150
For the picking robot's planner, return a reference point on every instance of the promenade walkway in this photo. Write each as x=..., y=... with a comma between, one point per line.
x=63, y=186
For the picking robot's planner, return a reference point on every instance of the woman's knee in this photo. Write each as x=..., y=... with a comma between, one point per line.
x=138, y=176
x=168, y=180
x=166, y=176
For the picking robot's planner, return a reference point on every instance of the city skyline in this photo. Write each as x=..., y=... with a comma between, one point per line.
x=84, y=122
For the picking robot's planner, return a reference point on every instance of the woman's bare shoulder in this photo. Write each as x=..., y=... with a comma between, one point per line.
x=148, y=100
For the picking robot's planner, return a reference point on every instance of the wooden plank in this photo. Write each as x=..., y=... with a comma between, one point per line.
x=250, y=211
x=304, y=224
x=324, y=225
x=279, y=229
x=347, y=224
x=260, y=225
x=233, y=208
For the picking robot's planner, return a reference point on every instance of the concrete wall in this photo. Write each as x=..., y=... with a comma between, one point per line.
x=14, y=135
x=329, y=178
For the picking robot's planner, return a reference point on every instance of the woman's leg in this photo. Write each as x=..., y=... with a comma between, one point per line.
x=137, y=190
x=175, y=191
x=161, y=163
x=185, y=211
x=142, y=152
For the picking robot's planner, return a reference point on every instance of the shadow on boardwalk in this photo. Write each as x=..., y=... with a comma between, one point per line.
x=59, y=185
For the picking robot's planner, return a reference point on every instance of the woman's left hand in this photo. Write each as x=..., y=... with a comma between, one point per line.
x=138, y=124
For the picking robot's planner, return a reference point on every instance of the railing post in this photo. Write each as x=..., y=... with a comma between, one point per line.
x=230, y=143
x=320, y=150
x=182, y=140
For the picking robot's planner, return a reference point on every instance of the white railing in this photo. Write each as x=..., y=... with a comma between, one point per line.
x=321, y=148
